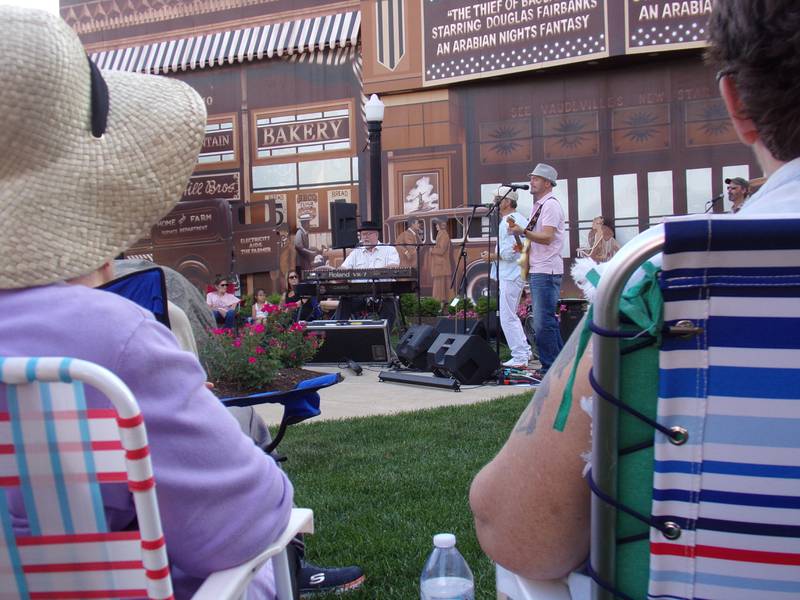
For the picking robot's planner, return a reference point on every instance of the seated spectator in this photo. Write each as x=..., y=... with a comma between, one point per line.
x=307, y=309
x=259, y=304
x=221, y=499
x=222, y=304
x=531, y=502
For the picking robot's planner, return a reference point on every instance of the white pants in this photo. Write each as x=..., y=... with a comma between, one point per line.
x=510, y=293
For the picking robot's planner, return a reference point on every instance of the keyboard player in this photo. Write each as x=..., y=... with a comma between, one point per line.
x=370, y=254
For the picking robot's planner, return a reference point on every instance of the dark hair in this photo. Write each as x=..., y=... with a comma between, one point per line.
x=220, y=279
x=289, y=285
x=757, y=44
x=610, y=224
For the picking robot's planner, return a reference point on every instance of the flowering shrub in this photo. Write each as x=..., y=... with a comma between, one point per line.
x=250, y=360
x=471, y=314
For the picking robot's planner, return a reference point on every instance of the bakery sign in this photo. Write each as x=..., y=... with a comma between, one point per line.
x=652, y=25
x=468, y=41
x=311, y=131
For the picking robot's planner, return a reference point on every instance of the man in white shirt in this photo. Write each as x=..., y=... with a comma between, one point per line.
x=369, y=255
x=511, y=282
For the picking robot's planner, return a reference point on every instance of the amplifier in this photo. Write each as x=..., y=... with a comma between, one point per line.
x=364, y=341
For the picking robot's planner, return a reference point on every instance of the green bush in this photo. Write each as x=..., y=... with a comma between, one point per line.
x=483, y=305
x=459, y=306
x=428, y=307
x=246, y=305
x=408, y=304
x=274, y=298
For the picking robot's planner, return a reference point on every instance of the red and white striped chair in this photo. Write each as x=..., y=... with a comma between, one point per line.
x=57, y=453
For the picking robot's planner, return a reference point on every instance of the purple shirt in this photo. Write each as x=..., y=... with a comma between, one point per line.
x=546, y=258
x=221, y=499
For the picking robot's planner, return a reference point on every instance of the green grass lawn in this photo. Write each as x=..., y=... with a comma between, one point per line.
x=380, y=487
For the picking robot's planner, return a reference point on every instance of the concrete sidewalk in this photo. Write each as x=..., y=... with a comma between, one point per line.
x=365, y=395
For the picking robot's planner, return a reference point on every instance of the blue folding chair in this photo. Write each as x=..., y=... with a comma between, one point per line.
x=723, y=517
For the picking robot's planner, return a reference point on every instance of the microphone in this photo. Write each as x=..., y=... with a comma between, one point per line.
x=710, y=204
x=516, y=186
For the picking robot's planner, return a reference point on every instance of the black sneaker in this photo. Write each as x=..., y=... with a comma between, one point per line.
x=314, y=580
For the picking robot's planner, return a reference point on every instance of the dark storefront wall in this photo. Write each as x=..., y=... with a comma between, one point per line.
x=237, y=97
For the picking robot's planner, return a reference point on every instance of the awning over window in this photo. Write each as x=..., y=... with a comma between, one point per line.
x=277, y=39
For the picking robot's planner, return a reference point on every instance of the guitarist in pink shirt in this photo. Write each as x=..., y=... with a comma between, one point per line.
x=544, y=238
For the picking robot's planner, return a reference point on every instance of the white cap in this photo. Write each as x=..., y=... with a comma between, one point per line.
x=444, y=540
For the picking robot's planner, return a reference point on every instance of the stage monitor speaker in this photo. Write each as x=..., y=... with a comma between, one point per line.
x=571, y=311
x=362, y=341
x=412, y=349
x=454, y=325
x=467, y=358
x=344, y=225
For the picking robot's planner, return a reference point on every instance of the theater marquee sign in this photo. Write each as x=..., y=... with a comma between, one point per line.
x=465, y=41
x=665, y=24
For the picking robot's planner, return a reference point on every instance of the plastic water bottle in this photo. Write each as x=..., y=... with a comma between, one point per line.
x=446, y=575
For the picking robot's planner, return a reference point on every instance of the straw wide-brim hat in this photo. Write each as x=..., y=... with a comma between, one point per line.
x=70, y=201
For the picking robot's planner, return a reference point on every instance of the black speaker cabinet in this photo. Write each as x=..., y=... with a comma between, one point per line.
x=454, y=325
x=571, y=311
x=467, y=358
x=344, y=225
x=412, y=349
x=362, y=341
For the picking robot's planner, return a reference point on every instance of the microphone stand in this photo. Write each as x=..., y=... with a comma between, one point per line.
x=495, y=205
x=462, y=257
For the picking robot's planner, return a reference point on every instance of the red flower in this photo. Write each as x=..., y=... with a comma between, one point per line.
x=258, y=328
x=252, y=360
x=260, y=350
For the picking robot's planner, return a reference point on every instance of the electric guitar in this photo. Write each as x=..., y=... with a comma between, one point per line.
x=525, y=246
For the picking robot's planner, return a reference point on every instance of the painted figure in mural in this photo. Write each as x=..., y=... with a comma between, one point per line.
x=369, y=254
x=287, y=261
x=738, y=188
x=511, y=281
x=442, y=263
x=305, y=253
x=545, y=232
x=602, y=243
x=531, y=502
x=407, y=243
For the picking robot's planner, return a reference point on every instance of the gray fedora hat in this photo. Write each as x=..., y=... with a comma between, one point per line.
x=546, y=172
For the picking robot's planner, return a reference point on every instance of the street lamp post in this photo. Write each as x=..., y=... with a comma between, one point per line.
x=374, y=113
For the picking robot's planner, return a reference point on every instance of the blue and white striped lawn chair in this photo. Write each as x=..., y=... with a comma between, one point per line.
x=725, y=512
x=57, y=452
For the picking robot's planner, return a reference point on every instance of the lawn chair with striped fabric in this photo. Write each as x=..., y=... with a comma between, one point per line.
x=55, y=453
x=723, y=459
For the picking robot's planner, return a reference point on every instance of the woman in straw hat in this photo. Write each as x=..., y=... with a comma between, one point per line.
x=119, y=147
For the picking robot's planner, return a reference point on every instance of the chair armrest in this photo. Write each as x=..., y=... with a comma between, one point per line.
x=231, y=583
